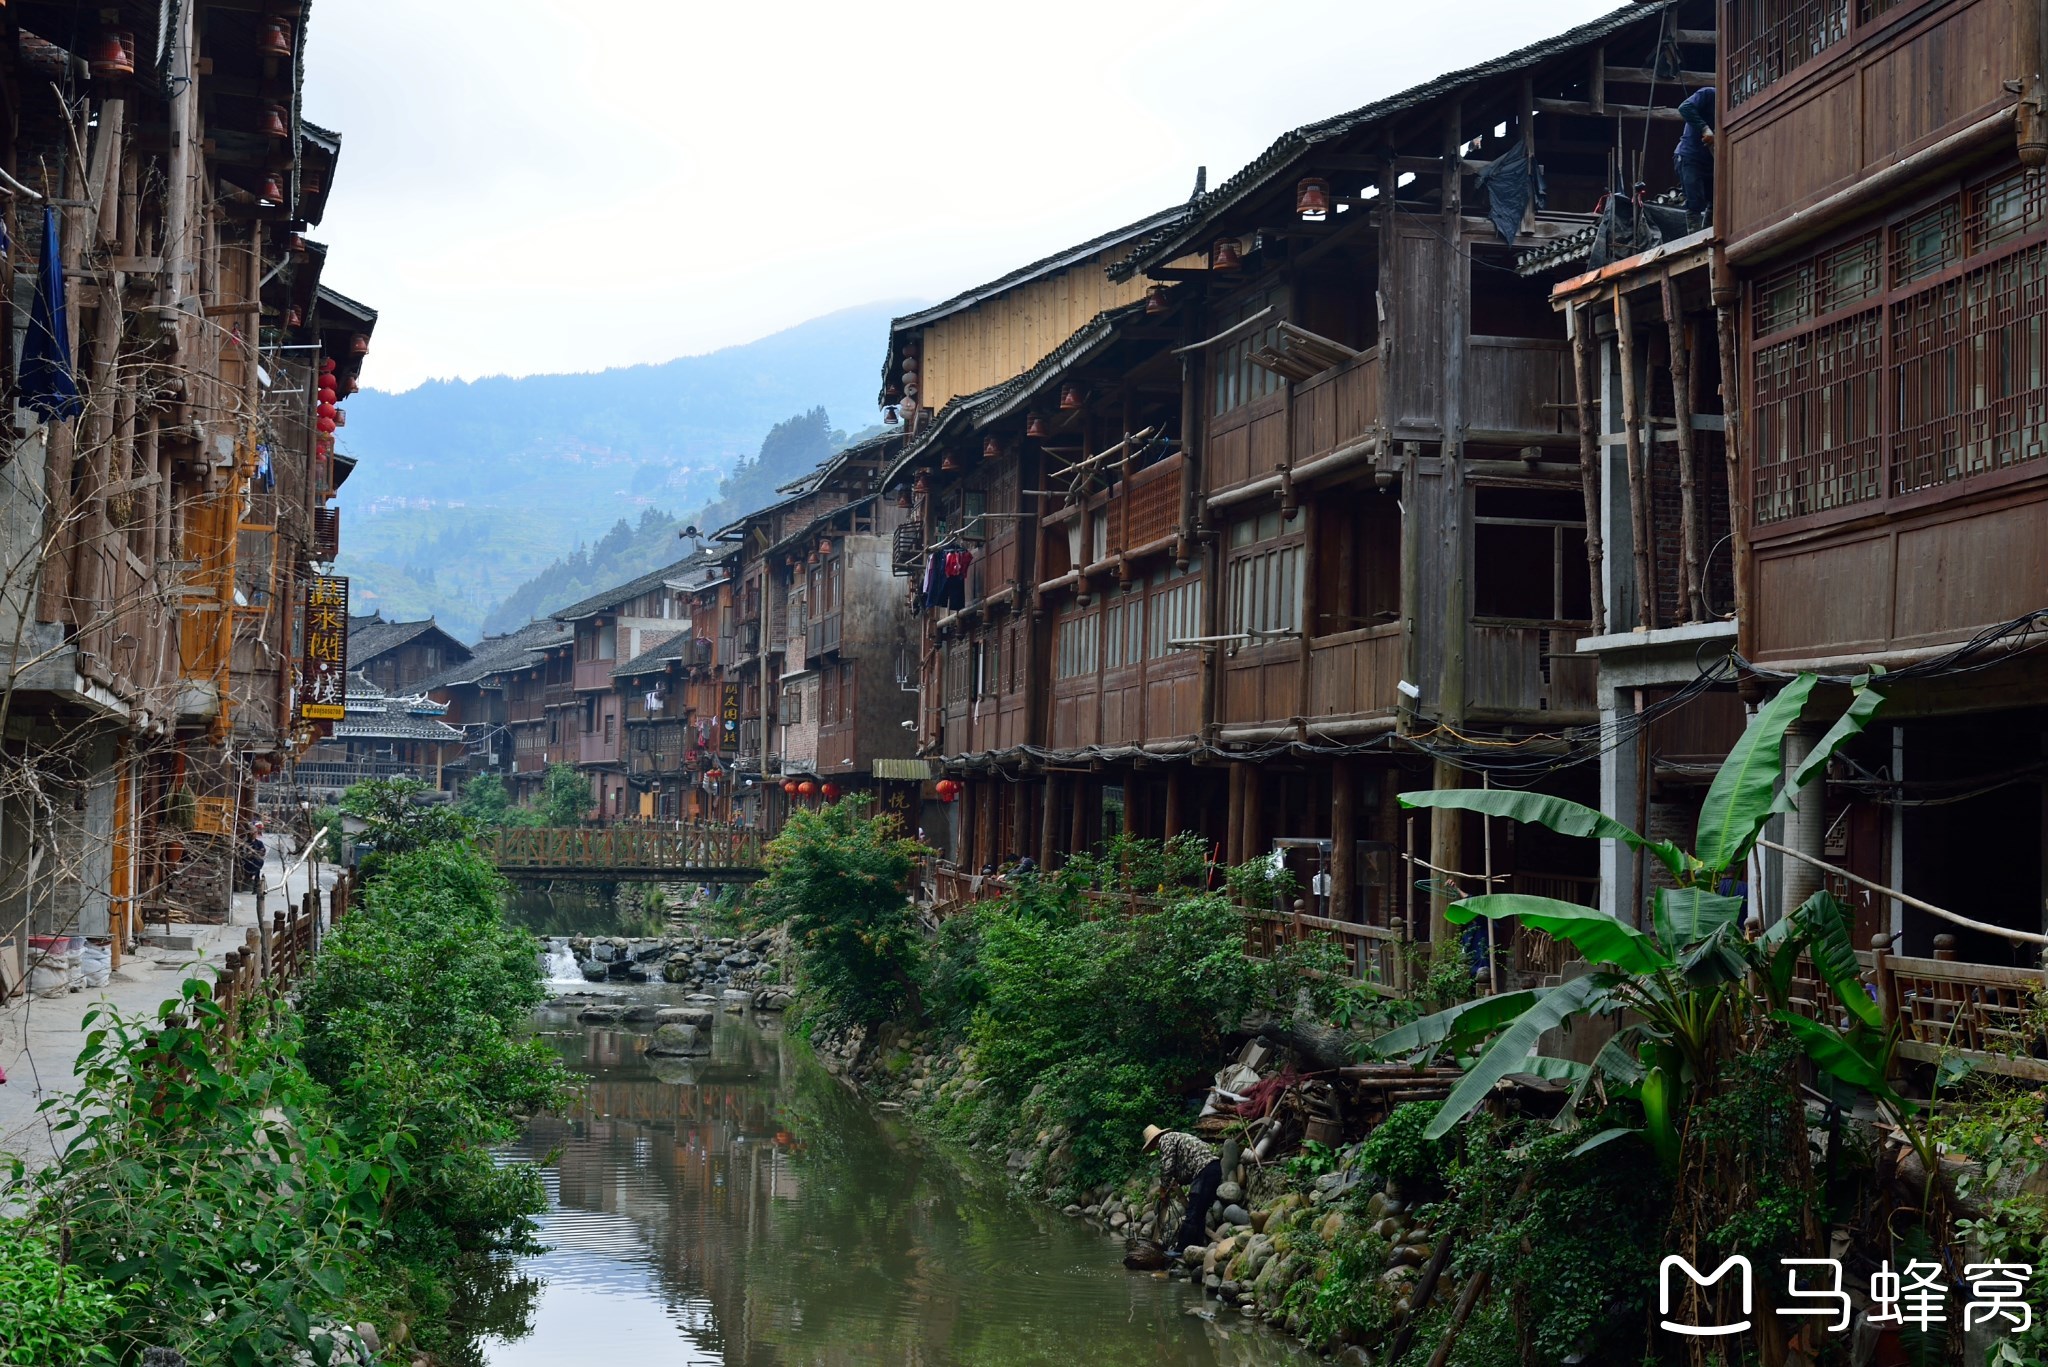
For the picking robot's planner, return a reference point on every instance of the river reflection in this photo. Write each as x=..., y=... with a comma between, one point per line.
x=745, y=1209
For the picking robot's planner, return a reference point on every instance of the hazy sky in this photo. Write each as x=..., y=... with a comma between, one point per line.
x=548, y=185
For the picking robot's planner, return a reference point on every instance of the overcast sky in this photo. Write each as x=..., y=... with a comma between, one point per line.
x=555, y=185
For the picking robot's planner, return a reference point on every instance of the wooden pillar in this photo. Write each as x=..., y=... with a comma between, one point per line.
x=1446, y=852
x=1170, y=826
x=1694, y=591
x=1343, y=841
x=1130, y=822
x=1077, y=815
x=1254, y=813
x=1048, y=814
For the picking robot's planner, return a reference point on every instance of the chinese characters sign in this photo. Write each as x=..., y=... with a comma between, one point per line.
x=323, y=670
x=729, y=717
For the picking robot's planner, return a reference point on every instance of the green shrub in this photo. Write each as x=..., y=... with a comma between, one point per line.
x=841, y=879
x=1398, y=1152
x=51, y=1315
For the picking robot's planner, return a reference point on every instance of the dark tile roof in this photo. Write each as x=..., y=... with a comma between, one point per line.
x=499, y=654
x=377, y=637
x=632, y=588
x=657, y=657
x=1185, y=231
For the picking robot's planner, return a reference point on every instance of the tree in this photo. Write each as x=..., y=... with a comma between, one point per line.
x=396, y=822
x=485, y=801
x=565, y=797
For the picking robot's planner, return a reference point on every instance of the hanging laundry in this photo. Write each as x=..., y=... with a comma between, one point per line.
x=47, y=385
x=953, y=590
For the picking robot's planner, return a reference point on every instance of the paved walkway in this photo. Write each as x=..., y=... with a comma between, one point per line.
x=40, y=1036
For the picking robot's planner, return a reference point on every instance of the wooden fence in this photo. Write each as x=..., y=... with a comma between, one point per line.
x=274, y=954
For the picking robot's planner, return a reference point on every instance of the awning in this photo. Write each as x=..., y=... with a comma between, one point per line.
x=903, y=770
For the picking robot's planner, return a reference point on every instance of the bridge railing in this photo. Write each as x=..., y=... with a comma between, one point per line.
x=678, y=849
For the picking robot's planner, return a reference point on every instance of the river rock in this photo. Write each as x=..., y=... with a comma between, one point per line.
x=678, y=1039
x=649, y=954
x=736, y=1000
x=641, y=1015
x=773, y=998
x=1230, y=1193
x=593, y=971
x=673, y=1070
x=1237, y=1215
x=678, y=971
x=603, y=951
x=686, y=1015
x=599, y=1015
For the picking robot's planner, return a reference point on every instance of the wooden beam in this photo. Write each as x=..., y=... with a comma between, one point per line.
x=1587, y=107
x=1643, y=75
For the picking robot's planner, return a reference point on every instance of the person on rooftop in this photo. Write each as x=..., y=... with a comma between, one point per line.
x=1694, y=157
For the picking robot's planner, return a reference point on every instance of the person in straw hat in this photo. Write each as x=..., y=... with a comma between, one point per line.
x=1185, y=1161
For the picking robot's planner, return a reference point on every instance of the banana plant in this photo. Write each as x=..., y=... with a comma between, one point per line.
x=1684, y=976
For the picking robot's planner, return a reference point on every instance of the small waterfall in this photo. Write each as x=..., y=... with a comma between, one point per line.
x=562, y=966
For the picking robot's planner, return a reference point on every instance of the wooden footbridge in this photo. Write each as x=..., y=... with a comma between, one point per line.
x=691, y=852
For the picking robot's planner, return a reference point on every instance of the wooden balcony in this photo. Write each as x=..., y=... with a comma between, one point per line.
x=1525, y=669
x=1518, y=389
x=1354, y=673
x=1316, y=418
x=592, y=674
x=821, y=635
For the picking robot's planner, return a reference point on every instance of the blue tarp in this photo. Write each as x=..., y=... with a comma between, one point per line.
x=47, y=384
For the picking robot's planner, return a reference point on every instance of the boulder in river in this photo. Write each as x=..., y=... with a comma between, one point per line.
x=650, y=953
x=599, y=1015
x=678, y=1040
x=699, y=1016
x=642, y=1014
x=603, y=952
x=593, y=971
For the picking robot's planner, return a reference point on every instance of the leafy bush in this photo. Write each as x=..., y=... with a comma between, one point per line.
x=204, y=1188
x=414, y=1017
x=841, y=879
x=1399, y=1152
x=485, y=801
x=51, y=1315
x=397, y=821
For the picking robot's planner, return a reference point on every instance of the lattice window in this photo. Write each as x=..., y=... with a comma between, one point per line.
x=1151, y=511
x=1971, y=364
x=1927, y=243
x=1076, y=646
x=1768, y=38
x=1817, y=414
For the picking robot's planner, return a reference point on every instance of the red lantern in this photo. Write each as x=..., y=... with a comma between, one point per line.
x=789, y=787
x=326, y=365
x=326, y=410
x=1224, y=256
x=944, y=787
x=1157, y=300
x=275, y=124
x=114, y=57
x=272, y=191
x=323, y=425
x=294, y=317
x=1035, y=426
x=1070, y=397
x=990, y=448
x=807, y=788
x=831, y=791
x=277, y=39
x=1312, y=196
x=360, y=344
x=949, y=463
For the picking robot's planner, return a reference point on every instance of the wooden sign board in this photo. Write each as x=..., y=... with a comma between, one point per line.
x=323, y=668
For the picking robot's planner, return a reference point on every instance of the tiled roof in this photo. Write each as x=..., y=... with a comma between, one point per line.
x=499, y=654
x=632, y=588
x=1186, y=229
x=657, y=657
x=377, y=637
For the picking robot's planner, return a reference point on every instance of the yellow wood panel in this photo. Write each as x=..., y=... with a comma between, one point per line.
x=1007, y=335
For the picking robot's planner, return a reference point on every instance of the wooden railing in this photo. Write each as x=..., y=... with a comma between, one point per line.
x=685, y=850
x=273, y=957
x=1944, y=1007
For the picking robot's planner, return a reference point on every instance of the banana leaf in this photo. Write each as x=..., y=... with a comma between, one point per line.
x=1715, y=960
x=1684, y=916
x=1558, y=814
x=1599, y=938
x=1837, y=1054
x=1863, y=705
x=1510, y=1052
x=1660, y=1123
x=1739, y=800
x=1602, y=1139
x=1823, y=923
x=1466, y=1022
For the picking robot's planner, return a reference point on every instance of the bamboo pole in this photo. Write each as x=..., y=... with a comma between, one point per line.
x=1638, y=481
x=1681, y=400
x=1581, y=320
x=2018, y=936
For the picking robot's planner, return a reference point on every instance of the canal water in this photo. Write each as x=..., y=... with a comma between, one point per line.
x=743, y=1208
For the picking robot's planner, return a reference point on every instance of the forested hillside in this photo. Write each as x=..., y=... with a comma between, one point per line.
x=467, y=490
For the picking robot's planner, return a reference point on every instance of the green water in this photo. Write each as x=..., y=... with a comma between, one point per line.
x=744, y=1208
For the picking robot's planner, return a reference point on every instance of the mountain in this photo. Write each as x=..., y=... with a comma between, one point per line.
x=466, y=489
x=791, y=449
